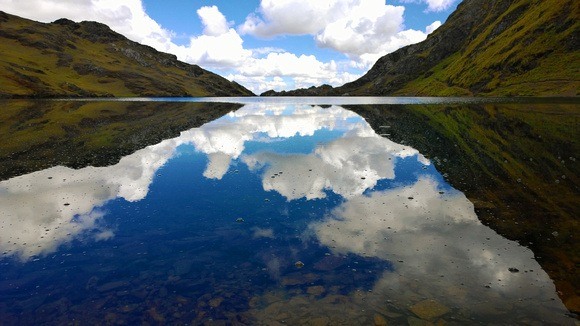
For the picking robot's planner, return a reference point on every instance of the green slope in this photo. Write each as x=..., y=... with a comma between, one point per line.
x=485, y=48
x=530, y=48
x=497, y=48
x=68, y=59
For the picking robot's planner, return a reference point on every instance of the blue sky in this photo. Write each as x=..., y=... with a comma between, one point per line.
x=261, y=44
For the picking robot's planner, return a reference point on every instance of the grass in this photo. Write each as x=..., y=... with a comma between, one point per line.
x=528, y=49
x=50, y=60
x=531, y=46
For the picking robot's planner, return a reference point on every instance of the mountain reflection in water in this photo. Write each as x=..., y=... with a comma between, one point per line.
x=211, y=226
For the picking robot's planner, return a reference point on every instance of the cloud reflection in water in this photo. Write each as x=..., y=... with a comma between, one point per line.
x=429, y=235
x=45, y=209
x=440, y=251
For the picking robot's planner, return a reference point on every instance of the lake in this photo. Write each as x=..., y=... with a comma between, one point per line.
x=296, y=211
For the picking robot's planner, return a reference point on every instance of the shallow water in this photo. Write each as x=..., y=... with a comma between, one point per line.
x=276, y=213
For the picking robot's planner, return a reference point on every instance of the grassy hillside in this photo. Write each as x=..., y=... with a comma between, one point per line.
x=485, y=48
x=68, y=59
x=530, y=48
x=493, y=48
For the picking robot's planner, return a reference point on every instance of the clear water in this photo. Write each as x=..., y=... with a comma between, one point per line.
x=277, y=213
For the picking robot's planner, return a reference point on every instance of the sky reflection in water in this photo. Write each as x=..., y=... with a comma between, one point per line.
x=221, y=214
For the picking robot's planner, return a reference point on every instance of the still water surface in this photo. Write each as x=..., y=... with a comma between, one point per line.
x=272, y=214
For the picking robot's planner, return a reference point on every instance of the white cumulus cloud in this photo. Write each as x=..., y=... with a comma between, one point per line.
x=127, y=17
x=297, y=17
x=60, y=204
x=216, y=51
x=260, y=84
x=367, y=26
x=434, y=239
x=362, y=30
x=438, y=5
x=433, y=5
x=213, y=20
x=262, y=74
x=431, y=28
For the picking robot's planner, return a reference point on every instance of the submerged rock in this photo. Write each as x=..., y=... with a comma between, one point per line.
x=380, y=320
x=112, y=286
x=319, y=321
x=215, y=302
x=315, y=290
x=298, y=279
x=429, y=309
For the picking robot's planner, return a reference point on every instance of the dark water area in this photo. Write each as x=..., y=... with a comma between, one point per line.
x=291, y=212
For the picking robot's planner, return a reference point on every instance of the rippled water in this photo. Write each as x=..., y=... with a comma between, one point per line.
x=275, y=213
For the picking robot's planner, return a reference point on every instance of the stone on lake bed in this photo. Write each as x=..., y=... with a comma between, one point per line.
x=128, y=308
x=156, y=316
x=315, y=290
x=215, y=302
x=429, y=309
x=379, y=320
x=414, y=321
x=319, y=321
x=240, y=220
x=299, y=279
x=329, y=263
x=299, y=264
x=112, y=286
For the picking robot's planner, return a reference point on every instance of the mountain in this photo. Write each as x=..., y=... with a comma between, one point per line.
x=485, y=48
x=88, y=59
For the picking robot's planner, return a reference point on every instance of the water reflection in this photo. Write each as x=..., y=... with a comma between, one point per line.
x=347, y=166
x=437, y=243
x=378, y=232
x=45, y=209
x=515, y=162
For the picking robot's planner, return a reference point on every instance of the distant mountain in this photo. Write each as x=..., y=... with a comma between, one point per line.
x=88, y=59
x=485, y=48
